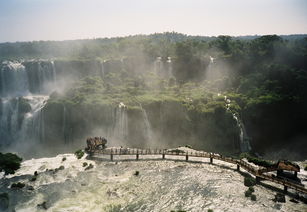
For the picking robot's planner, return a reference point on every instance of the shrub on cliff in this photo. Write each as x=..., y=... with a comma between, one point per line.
x=9, y=163
x=249, y=181
x=256, y=161
x=79, y=154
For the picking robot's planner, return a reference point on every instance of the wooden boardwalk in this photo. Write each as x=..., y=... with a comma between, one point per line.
x=177, y=152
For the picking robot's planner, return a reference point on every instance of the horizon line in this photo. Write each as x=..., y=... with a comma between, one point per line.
x=149, y=34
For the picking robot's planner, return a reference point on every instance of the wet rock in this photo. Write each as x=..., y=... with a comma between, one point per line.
x=277, y=206
x=42, y=205
x=18, y=185
x=30, y=188
x=280, y=198
x=293, y=200
x=35, y=173
x=84, y=164
x=89, y=167
x=33, y=179
x=4, y=201
x=58, y=169
x=136, y=173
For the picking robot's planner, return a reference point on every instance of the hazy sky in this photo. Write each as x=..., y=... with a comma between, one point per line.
x=26, y=20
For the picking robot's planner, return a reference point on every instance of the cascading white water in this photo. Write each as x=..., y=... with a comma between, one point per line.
x=210, y=73
x=14, y=79
x=244, y=139
x=9, y=120
x=33, y=125
x=46, y=77
x=54, y=74
x=102, y=71
x=158, y=65
x=120, y=130
x=147, y=127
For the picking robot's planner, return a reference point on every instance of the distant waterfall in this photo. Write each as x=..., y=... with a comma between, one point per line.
x=158, y=65
x=64, y=130
x=147, y=127
x=169, y=69
x=54, y=75
x=46, y=77
x=120, y=130
x=244, y=139
x=102, y=71
x=9, y=126
x=14, y=79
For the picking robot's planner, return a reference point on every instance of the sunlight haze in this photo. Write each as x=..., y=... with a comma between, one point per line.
x=27, y=20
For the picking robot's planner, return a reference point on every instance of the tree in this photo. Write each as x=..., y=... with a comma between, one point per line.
x=9, y=163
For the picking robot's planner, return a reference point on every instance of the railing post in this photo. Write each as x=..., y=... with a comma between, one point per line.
x=238, y=167
x=137, y=155
x=111, y=157
x=211, y=159
x=285, y=189
x=187, y=157
x=163, y=154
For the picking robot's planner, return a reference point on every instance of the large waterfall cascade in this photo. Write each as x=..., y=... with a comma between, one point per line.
x=32, y=87
x=120, y=129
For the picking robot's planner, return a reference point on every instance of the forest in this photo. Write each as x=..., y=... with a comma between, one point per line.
x=265, y=77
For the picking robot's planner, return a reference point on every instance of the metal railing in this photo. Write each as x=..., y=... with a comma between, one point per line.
x=241, y=163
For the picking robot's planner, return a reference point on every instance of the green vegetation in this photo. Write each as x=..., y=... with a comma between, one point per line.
x=210, y=210
x=265, y=77
x=9, y=163
x=249, y=181
x=251, y=189
x=79, y=153
x=249, y=193
x=305, y=168
x=256, y=161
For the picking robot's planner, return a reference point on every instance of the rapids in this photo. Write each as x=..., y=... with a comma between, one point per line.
x=166, y=185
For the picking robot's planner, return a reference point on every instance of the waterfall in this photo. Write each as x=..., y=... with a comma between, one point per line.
x=120, y=130
x=102, y=71
x=210, y=75
x=54, y=75
x=64, y=124
x=244, y=139
x=46, y=77
x=147, y=127
x=9, y=120
x=14, y=79
x=158, y=66
x=33, y=126
x=169, y=71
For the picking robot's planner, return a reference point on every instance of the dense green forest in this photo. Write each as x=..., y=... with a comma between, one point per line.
x=264, y=76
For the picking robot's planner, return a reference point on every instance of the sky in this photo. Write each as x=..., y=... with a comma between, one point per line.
x=28, y=20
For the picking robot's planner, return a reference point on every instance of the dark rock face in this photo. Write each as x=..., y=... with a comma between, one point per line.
x=280, y=198
x=4, y=201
